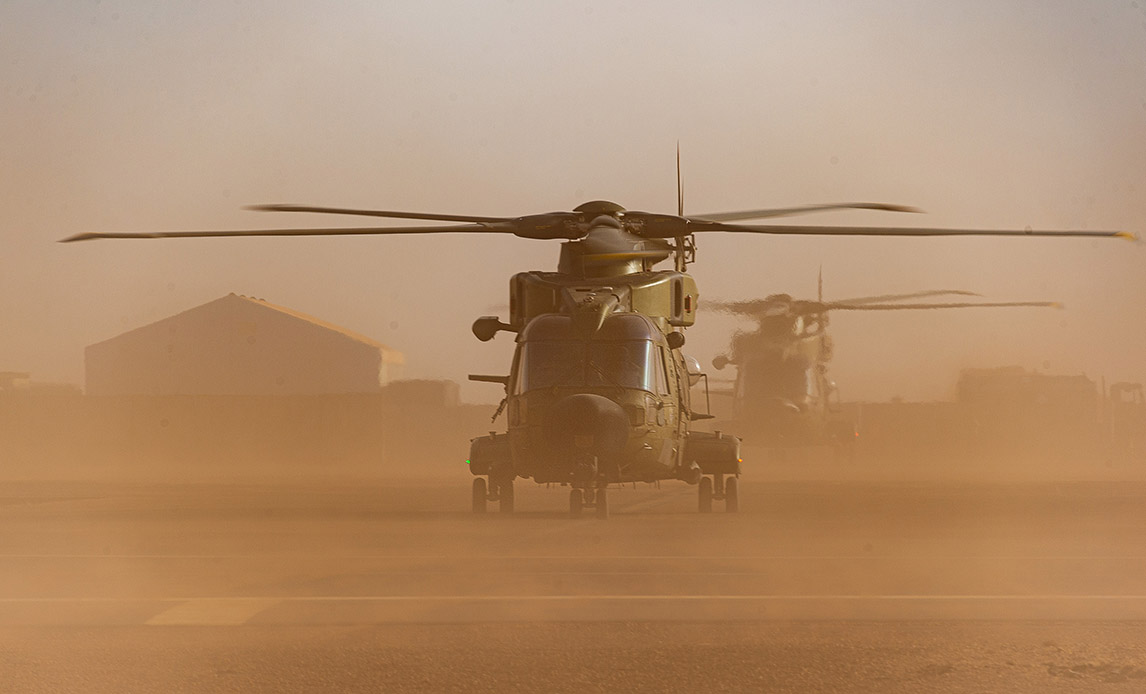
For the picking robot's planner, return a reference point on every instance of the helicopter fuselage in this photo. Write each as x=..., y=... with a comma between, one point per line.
x=782, y=394
x=598, y=390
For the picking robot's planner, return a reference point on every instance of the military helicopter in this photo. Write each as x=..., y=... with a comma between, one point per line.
x=598, y=391
x=782, y=389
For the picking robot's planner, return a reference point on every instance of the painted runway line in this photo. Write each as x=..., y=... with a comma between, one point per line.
x=543, y=598
x=586, y=557
x=213, y=612
x=409, y=609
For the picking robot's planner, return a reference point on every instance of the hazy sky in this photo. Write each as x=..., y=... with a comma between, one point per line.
x=139, y=116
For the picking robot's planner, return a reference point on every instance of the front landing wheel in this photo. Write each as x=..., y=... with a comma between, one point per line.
x=480, y=494
x=732, y=495
x=704, y=496
x=576, y=502
x=602, y=504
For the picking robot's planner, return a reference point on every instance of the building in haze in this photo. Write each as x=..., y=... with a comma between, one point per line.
x=239, y=345
x=1009, y=403
x=11, y=381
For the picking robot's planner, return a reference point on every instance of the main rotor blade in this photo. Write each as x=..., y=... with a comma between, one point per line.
x=802, y=209
x=377, y=213
x=747, y=307
x=911, y=307
x=900, y=297
x=336, y=231
x=797, y=307
x=898, y=231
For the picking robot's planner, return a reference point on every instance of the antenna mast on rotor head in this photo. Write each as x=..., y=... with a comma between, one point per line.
x=685, y=249
x=679, y=187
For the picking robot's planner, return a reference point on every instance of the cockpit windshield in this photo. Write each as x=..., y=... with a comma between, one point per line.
x=626, y=363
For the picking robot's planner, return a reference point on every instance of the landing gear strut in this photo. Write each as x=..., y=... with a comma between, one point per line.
x=716, y=488
x=505, y=494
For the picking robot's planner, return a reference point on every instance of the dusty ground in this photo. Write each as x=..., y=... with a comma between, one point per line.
x=353, y=586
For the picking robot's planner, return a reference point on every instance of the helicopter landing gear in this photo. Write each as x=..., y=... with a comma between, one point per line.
x=718, y=489
x=501, y=492
x=588, y=497
x=576, y=502
x=479, y=494
x=505, y=494
x=732, y=495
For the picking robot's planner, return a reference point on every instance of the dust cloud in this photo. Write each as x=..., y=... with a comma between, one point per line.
x=262, y=541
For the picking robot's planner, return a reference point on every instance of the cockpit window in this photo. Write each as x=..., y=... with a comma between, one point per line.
x=546, y=364
x=628, y=364
x=662, y=376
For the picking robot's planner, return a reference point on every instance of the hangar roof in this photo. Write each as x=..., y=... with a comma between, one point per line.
x=389, y=355
x=395, y=356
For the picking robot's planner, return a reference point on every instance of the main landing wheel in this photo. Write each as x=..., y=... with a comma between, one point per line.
x=705, y=495
x=732, y=495
x=576, y=502
x=480, y=495
x=602, y=504
x=505, y=493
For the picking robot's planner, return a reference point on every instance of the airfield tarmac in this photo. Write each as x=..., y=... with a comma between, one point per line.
x=358, y=585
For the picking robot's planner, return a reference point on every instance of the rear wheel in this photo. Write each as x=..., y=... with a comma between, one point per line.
x=576, y=502
x=732, y=495
x=602, y=504
x=480, y=494
x=505, y=493
x=705, y=495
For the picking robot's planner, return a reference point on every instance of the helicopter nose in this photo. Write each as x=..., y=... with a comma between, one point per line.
x=587, y=423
